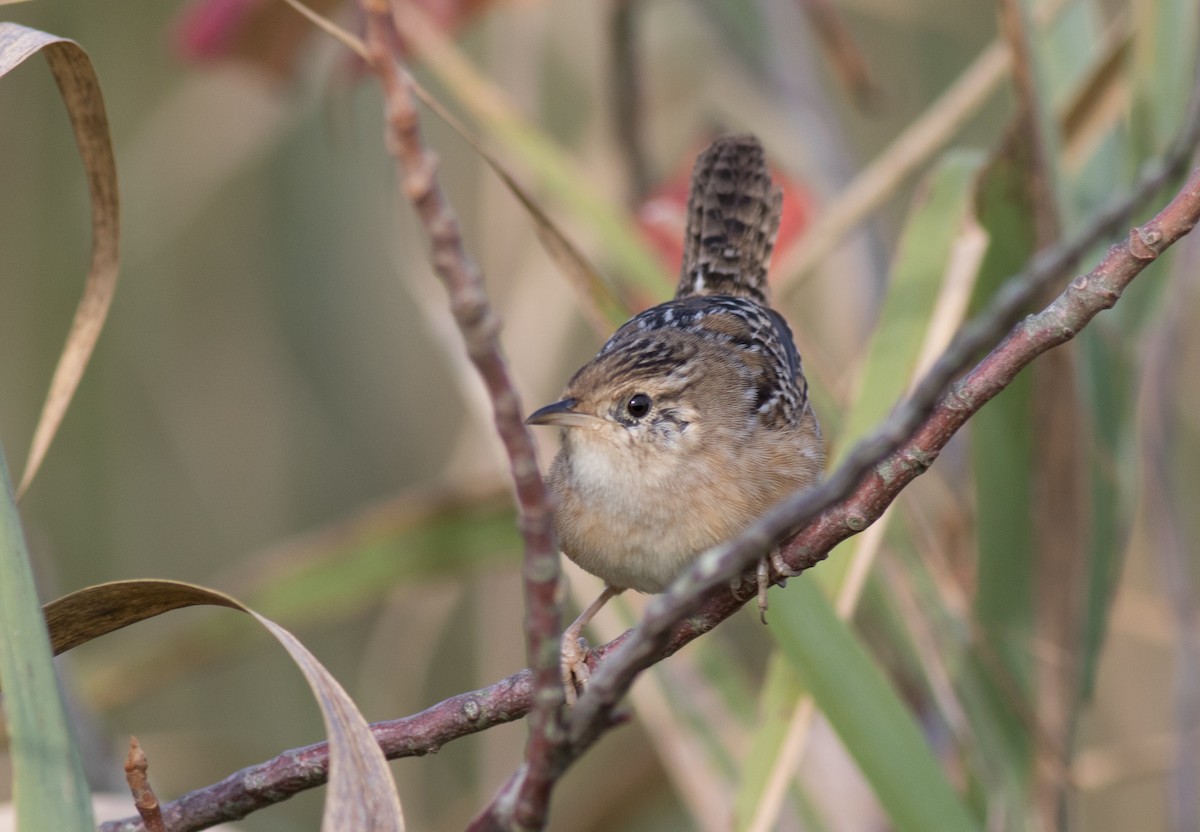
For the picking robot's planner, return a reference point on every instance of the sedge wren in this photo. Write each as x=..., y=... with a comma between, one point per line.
x=694, y=418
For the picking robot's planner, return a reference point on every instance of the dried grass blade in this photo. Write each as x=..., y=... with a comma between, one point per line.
x=80, y=90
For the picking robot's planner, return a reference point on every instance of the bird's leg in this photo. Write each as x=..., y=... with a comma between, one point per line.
x=575, y=671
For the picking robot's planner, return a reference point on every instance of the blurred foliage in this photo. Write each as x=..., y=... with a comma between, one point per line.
x=279, y=405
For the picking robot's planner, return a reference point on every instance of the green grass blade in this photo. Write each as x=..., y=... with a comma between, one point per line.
x=1109, y=390
x=866, y=711
x=49, y=788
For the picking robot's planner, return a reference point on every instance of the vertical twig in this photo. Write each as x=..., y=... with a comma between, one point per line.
x=479, y=325
x=139, y=786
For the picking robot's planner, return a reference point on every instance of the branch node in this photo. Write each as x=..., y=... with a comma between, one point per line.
x=1144, y=242
x=856, y=522
x=419, y=180
x=918, y=460
x=961, y=398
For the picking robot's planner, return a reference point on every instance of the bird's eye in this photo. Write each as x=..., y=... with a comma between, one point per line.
x=638, y=405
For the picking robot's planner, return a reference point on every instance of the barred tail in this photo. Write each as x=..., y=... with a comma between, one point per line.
x=733, y=217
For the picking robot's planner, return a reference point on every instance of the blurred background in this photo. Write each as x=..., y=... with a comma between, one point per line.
x=279, y=406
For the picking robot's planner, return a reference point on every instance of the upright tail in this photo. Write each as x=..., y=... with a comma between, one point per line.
x=732, y=220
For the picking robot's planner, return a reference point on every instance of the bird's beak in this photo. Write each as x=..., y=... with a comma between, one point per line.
x=564, y=415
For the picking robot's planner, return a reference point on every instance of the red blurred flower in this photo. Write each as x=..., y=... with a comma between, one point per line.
x=270, y=35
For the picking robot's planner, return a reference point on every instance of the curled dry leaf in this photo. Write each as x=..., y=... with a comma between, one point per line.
x=80, y=92
x=362, y=794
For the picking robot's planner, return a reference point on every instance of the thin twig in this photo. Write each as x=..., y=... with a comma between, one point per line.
x=139, y=786
x=299, y=769
x=417, y=170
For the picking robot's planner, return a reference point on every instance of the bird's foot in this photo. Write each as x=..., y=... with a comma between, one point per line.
x=772, y=566
x=575, y=671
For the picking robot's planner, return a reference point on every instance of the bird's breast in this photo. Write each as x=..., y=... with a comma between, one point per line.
x=625, y=517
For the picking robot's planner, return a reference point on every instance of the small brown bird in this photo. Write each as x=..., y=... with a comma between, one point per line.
x=694, y=419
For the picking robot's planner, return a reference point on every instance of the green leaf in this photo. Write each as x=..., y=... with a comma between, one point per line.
x=865, y=709
x=49, y=788
x=1110, y=391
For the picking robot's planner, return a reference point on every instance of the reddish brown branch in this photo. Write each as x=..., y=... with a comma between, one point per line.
x=417, y=170
x=294, y=771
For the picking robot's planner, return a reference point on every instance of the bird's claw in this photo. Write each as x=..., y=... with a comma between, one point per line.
x=763, y=576
x=575, y=671
x=771, y=566
x=780, y=567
